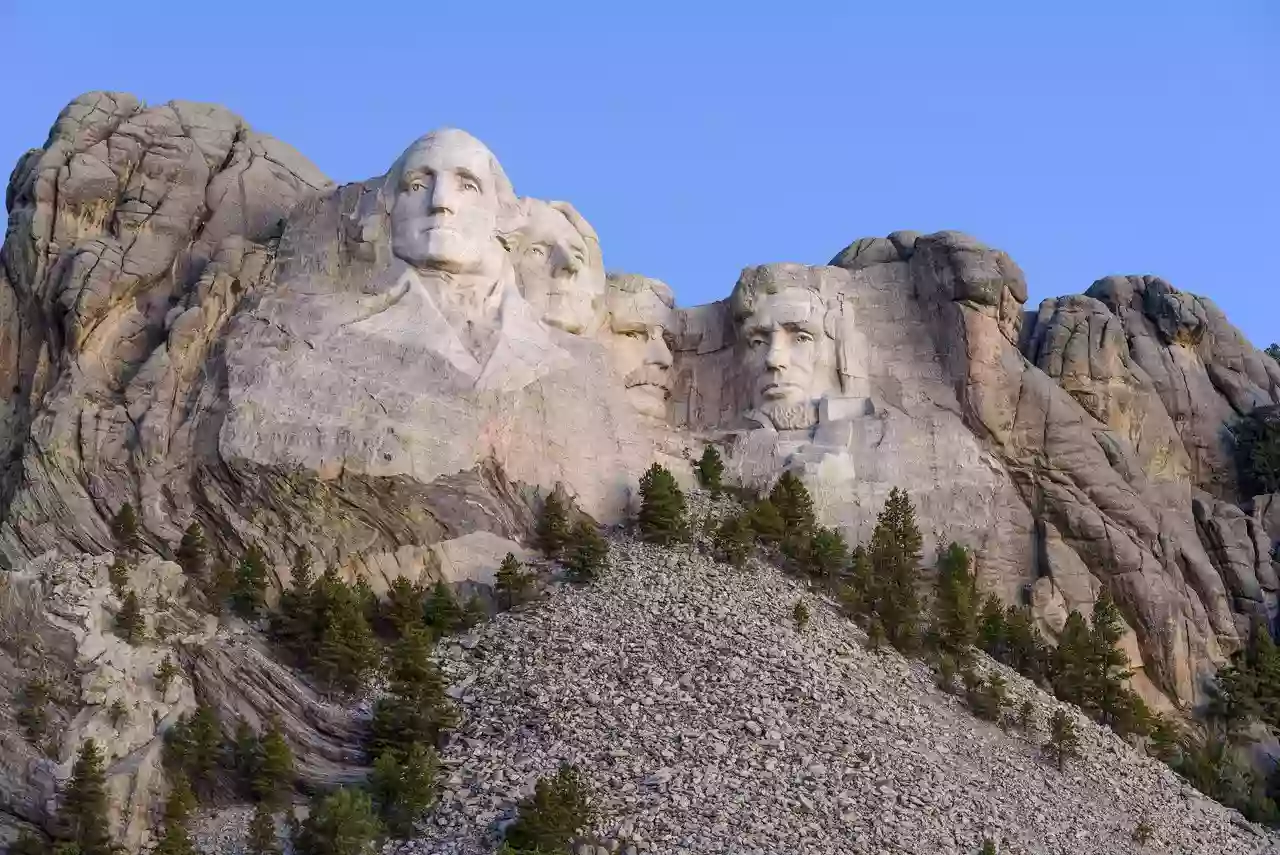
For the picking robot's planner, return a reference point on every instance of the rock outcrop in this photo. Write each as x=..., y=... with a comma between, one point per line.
x=390, y=374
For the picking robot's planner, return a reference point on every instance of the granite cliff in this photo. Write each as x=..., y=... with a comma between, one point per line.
x=388, y=374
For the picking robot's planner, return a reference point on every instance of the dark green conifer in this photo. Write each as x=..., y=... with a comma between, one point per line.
x=586, y=552
x=511, y=584
x=766, y=523
x=124, y=528
x=827, y=556
x=442, y=612
x=165, y=674
x=193, y=551
x=549, y=819
x=118, y=577
x=275, y=774
x=993, y=634
x=340, y=823
x=415, y=708
x=249, y=594
x=733, y=539
x=662, y=507
x=895, y=559
x=32, y=716
x=553, y=526
x=795, y=506
x=710, y=469
x=129, y=622
x=176, y=840
x=1071, y=661
x=859, y=593
x=403, y=785
x=1064, y=742
x=84, y=803
x=263, y=839
x=404, y=606
x=955, y=604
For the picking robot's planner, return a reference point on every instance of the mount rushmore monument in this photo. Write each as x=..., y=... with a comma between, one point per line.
x=391, y=373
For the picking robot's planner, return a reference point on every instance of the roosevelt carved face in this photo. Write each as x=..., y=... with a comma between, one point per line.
x=641, y=312
x=446, y=196
x=783, y=335
x=557, y=259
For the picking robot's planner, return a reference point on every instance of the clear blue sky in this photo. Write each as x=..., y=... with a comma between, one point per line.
x=1084, y=142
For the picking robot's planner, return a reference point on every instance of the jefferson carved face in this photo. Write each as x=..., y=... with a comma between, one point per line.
x=446, y=196
x=557, y=259
x=782, y=329
x=641, y=312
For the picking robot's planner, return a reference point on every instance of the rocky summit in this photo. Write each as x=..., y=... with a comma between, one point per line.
x=201, y=334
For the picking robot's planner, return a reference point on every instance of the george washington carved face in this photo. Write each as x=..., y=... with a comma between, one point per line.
x=447, y=198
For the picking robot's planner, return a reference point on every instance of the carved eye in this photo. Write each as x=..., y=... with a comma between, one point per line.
x=538, y=250
x=636, y=334
x=417, y=184
x=756, y=342
x=803, y=336
x=470, y=185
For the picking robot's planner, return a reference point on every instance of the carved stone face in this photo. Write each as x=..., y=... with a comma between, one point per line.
x=559, y=266
x=447, y=195
x=640, y=318
x=783, y=336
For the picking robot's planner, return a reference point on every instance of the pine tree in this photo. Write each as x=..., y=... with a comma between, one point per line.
x=193, y=551
x=294, y=624
x=955, y=604
x=118, y=713
x=404, y=605
x=553, y=526
x=263, y=839
x=993, y=634
x=404, y=786
x=801, y=615
x=988, y=847
x=876, y=635
x=587, y=552
x=1064, y=742
x=858, y=595
x=442, y=613
x=732, y=540
x=84, y=804
x=165, y=674
x=275, y=774
x=794, y=505
x=340, y=823
x=895, y=559
x=828, y=554
x=415, y=708
x=662, y=507
x=129, y=622
x=176, y=840
x=710, y=469
x=766, y=523
x=29, y=844
x=118, y=577
x=1108, y=665
x=1025, y=649
x=31, y=715
x=549, y=819
x=124, y=528
x=193, y=747
x=246, y=756
x=248, y=596
x=1071, y=662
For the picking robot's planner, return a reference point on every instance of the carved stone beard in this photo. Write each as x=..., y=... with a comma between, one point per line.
x=784, y=416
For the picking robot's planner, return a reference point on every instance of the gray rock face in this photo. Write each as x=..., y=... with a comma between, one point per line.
x=388, y=374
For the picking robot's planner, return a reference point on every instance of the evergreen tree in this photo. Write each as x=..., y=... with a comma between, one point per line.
x=1108, y=665
x=710, y=469
x=732, y=540
x=29, y=844
x=219, y=585
x=876, y=635
x=442, y=613
x=118, y=577
x=794, y=505
x=955, y=604
x=118, y=713
x=404, y=786
x=246, y=756
x=1064, y=742
x=294, y=624
x=801, y=615
x=895, y=559
x=549, y=819
x=988, y=847
x=340, y=823
x=275, y=774
x=766, y=523
x=124, y=528
x=1071, y=661
x=553, y=526
x=587, y=552
x=338, y=647
x=193, y=551
x=193, y=747
x=129, y=623
x=858, y=596
x=828, y=554
x=251, y=584
x=176, y=840
x=415, y=708
x=662, y=507
x=1273, y=350
x=263, y=839
x=84, y=803
x=404, y=606
x=993, y=633
x=32, y=716
x=1257, y=441
x=1025, y=649
x=165, y=674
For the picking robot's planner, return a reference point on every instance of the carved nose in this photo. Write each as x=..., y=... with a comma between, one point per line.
x=657, y=353
x=777, y=357
x=441, y=198
x=564, y=262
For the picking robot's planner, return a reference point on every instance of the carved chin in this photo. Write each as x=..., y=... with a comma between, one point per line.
x=649, y=400
x=791, y=416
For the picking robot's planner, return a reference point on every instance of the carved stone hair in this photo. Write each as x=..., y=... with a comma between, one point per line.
x=509, y=212
x=755, y=282
x=633, y=283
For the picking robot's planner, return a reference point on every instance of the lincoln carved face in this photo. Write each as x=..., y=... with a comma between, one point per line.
x=640, y=316
x=447, y=196
x=781, y=328
x=557, y=259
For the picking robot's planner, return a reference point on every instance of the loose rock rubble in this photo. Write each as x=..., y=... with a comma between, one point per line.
x=705, y=722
